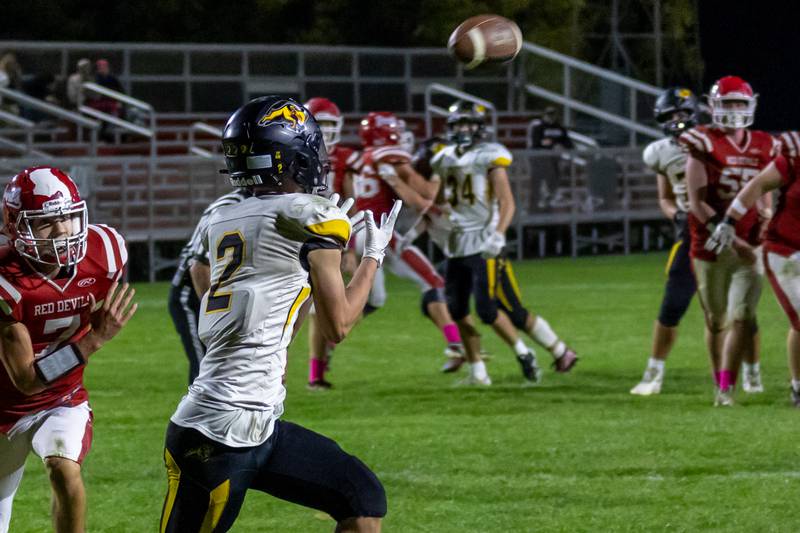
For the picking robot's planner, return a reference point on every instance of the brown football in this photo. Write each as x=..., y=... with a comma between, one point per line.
x=485, y=39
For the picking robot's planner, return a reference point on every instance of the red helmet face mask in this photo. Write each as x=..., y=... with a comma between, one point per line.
x=329, y=119
x=46, y=217
x=733, y=104
x=380, y=128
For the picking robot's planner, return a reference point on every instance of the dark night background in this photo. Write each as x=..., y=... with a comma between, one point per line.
x=760, y=42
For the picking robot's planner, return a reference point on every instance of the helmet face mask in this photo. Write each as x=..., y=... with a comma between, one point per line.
x=676, y=109
x=733, y=103
x=466, y=123
x=46, y=218
x=272, y=139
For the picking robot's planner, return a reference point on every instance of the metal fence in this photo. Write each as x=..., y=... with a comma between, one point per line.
x=596, y=196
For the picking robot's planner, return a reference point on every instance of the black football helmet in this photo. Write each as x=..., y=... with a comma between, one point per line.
x=676, y=100
x=462, y=113
x=271, y=139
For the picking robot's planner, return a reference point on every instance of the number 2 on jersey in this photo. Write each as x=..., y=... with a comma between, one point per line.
x=233, y=242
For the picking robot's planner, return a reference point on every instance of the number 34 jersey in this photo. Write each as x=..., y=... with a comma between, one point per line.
x=257, y=251
x=728, y=167
x=468, y=191
x=55, y=312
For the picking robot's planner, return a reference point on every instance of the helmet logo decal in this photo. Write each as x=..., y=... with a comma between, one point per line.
x=291, y=114
x=47, y=185
x=13, y=197
x=684, y=93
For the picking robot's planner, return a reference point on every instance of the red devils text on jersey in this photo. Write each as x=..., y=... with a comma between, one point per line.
x=783, y=232
x=342, y=159
x=728, y=168
x=371, y=191
x=56, y=312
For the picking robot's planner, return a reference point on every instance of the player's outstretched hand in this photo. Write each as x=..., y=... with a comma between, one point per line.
x=378, y=237
x=721, y=238
x=115, y=312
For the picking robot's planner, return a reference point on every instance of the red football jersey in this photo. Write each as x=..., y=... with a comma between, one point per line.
x=56, y=312
x=370, y=190
x=728, y=168
x=342, y=159
x=783, y=232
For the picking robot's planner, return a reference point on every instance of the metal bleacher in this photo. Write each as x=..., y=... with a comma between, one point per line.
x=155, y=183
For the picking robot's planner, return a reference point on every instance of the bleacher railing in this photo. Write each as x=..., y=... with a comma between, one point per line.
x=80, y=122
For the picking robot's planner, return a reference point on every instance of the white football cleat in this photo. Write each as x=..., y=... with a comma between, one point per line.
x=724, y=398
x=472, y=381
x=650, y=384
x=751, y=382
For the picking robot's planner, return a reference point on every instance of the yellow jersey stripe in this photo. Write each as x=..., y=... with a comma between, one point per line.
x=672, y=254
x=491, y=274
x=173, y=480
x=501, y=295
x=338, y=229
x=501, y=162
x=512, y=279
x=216, y=505
x=298, y=301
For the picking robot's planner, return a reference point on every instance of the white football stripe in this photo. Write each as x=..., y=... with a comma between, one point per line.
x=112, y=262
x=478, y=48
x=9, y=288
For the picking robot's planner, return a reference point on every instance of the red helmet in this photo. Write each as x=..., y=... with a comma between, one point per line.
x=732, y=89
x=35, y=195
x=328, y=117
x=380, y=128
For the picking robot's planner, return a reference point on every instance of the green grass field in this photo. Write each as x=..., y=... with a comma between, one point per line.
x=577, y=453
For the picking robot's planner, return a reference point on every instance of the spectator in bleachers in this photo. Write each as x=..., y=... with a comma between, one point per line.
x=10, y=78
x=105, y=78
x=83, y=73
x=547, y=132
x=41, y=86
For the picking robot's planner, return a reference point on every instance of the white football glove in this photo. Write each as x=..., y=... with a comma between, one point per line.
x=493, y=245
x=721, y=238
x=378, y=238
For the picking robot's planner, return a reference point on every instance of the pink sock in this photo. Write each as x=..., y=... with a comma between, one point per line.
x=316, y=370
x=725, y=379
x=451, y=334
x=716, y=377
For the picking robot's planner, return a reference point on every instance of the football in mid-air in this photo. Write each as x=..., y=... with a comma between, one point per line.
x=485, y=39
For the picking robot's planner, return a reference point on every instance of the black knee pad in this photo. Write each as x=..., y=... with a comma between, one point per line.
x=519, y=317
x=365, y=493
x=487, y=313
x=431, y=296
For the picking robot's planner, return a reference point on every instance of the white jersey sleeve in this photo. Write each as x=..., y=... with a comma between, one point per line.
x=495, y=155
x=650, y=157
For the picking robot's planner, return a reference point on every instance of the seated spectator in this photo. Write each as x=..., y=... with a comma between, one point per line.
x=42, y=86
x=82, y=74
x=547, y=132
x=10, y=78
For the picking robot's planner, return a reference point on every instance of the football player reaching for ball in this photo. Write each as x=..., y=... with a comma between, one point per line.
x=722, y=159
x=480, y=207
x=269, y=253
x=59, y=303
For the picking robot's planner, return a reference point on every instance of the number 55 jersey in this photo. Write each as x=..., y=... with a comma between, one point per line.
x=729, y=167
x=466, y=187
